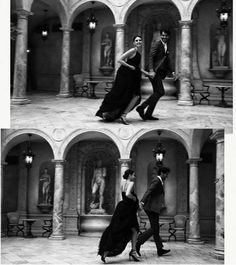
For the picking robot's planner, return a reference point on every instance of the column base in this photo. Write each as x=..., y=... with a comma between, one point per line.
x=185, y=102
x=219, y=254
x=20, y=101
x=195, y=241
x=64, y=95
x=56, y=237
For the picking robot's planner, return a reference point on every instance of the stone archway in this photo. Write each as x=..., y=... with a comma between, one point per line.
x=20, y=185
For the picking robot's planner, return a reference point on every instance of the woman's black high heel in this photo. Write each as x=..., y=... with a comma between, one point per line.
x=133, y=255
x=103, y=258
x=123, y=120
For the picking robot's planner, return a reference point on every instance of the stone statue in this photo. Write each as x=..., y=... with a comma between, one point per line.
x=107, y=50
x=98, y=186
x=46, y=187
x=220, y=47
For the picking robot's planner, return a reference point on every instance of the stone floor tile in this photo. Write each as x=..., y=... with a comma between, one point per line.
x=83, y=250
x=47, y=110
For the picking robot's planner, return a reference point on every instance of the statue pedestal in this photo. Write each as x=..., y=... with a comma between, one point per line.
x=94, y=224
x=220, y=71
x=106, y=70
x=45, y=208
x=97, y=211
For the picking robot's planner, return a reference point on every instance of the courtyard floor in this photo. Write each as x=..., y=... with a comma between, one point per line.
x=48, y=110
x=83, y=250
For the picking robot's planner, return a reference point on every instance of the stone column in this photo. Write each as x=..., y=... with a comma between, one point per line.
x=58, y=233
x=20, y=71
x=124, y=165
x=219, y=217
x=3, y=164
x=195, y=66
x=185, y=97
x=65, y=64
x=194, y=222
x=120, y=43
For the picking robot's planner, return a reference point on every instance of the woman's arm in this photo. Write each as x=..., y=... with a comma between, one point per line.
x=125, y=56
x=145, y=72
x=129, y=190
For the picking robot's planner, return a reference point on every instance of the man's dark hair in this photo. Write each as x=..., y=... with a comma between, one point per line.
x=163, y=170
x=165, y=31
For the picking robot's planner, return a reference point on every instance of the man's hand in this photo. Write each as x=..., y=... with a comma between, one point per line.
x=141, y=205
x=174, y=76
x=152, y=74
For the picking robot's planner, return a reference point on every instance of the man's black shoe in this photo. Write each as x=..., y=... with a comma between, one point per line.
x=138, y=245
x=162, y=251
x=140, y=111
x=151, y=118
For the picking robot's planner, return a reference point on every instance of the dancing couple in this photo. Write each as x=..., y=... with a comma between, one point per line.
x=125, y=94
x=124, y=225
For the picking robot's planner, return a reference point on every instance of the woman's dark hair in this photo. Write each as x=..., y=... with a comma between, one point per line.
x=127, y=173
x=163, y=170
x=136, y=37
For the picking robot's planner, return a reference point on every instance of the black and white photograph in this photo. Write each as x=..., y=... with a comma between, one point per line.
x=117, y=132
x=148, y=195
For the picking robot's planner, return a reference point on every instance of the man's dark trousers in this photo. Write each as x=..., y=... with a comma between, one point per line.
x=158, y=92
x=153, y=230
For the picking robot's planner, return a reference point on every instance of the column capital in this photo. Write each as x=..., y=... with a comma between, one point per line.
x=194, y=160
x=119, y=26
x=66, y=29
x=218, y=135
x=23, y=13
x=58, y=161
x=3, y=163
x=124, y=160
x=185, y=23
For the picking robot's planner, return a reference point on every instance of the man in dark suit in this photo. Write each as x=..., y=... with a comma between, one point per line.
x=152, y=203
x=159, y=66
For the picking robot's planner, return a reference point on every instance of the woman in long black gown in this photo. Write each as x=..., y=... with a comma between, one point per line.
x=125, y=93
x=124, y=224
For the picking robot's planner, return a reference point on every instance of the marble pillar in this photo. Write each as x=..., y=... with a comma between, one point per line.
x=20, y=70
x=185, y=97
x=3, y=164
x=196, y=78
x=124, y=165
x=194, y=222
x=219, y=182
x=58, y=233
x=120, y=43
x=65, y=64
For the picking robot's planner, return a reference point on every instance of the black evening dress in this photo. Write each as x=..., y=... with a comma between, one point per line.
x=117, y=235
x=126, y=85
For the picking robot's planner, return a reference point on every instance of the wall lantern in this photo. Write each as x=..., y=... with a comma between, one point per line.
x=92, y=21
x=45, y=27
x=28, y=154
x=223, y=13
x=159, y=151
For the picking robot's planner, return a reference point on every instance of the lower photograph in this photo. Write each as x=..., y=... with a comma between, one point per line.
x=115, y=196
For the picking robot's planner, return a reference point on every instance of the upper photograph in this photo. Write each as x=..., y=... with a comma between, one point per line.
x=145, y=63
